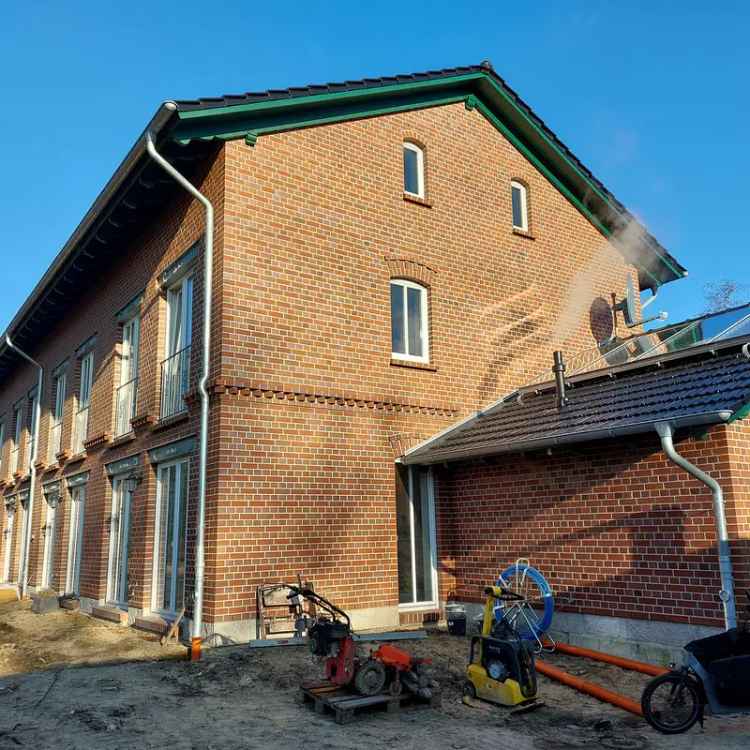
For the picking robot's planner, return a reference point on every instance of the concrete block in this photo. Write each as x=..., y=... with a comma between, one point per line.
x=152, y=624
x=112, y=614
x=44, y=601
x=72, y=605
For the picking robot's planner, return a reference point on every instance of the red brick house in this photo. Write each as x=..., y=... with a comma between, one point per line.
x=388, y=256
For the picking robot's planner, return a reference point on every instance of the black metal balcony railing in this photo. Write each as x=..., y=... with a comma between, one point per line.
x=81, y=430
x=175, y=377
x=125, y=397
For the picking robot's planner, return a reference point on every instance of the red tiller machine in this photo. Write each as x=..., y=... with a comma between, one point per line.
x=387, y=669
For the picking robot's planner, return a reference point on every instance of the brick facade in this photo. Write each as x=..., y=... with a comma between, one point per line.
x=616, y=528
x=309, y=410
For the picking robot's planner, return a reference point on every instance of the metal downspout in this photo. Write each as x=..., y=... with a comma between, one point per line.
x=23, y=583
x=665, y=432
x=195, y=650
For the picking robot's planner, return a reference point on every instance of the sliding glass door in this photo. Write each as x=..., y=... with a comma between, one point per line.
x=75, y=540
x=170, y=537
x=417, y=555
x=119, y=532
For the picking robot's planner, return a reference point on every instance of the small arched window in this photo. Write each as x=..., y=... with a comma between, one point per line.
x=519, y=202
x=409, y=326
x=413, y=169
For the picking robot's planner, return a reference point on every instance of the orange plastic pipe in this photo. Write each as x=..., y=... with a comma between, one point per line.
x=590, y=688
x=618, y=661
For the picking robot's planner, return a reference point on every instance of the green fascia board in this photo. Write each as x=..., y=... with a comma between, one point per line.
x=742, y=413
x=479, y=90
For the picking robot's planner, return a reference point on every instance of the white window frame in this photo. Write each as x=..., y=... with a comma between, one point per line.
x=420, y=169
x=432, y=530
x=15, y=448
x=516, y=185
x=75, y=539
x=129, y=362
x=32, y=403
x=60, y=386
x=183, y=464
x=423, y=322
x=50, y=534
x=25, y=521
x=184, y=336
x=85, y=386
x=8, y=532
x=119, y=535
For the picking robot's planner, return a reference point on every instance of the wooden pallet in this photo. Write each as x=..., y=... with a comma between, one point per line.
x=344, y=704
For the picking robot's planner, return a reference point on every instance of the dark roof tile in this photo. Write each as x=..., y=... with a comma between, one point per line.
x=695, y=389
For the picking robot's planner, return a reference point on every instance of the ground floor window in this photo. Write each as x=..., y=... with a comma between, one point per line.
x=52, y=500
x=170, y=537
x=75, y=539
x=417, y=556
x=25, y=521
x=119, y=537
x=8, y=541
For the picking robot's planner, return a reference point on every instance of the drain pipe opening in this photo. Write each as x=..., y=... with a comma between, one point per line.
x=23, y=584
x=197, y=634
x=666, y=432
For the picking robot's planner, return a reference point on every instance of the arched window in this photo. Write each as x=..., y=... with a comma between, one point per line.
x=520, y=205
x=413, y=169
x=409, y=326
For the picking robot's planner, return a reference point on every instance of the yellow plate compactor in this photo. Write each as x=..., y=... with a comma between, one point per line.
x=501, y=664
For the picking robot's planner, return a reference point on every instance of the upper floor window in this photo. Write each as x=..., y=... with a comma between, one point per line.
x=86, y=382
x=59, y=383
x=17, y=431
x=126, y=391
x=31, y=426
x=176, y=366
x=519, y=202
x=413, y=170
x=409, y=329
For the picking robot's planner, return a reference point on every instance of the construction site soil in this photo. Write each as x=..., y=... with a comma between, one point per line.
x=68, y=681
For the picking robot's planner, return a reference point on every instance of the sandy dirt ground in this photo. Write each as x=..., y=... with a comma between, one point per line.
x=249, y=698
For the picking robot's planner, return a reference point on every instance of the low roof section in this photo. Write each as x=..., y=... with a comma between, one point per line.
x=703, y=385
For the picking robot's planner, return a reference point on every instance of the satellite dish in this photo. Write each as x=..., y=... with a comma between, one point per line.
x=627, y=306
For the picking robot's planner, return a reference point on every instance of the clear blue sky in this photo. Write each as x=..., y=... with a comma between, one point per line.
x=652, y=96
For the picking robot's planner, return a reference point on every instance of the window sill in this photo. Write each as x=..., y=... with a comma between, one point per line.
x=418, y=607
x=97, y=441
x=523, y=233
x=76, y=457
x=165, y=422
x=395, y=362
x=410, y=198
x=122, y=439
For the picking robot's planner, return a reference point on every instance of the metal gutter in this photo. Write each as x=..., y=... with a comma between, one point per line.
x=569, y=438
x=157, y=123
x=24, y=582
x=665, y=430
x=208, y=256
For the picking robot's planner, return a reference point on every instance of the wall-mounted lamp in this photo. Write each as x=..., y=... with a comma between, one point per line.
x=132, y=481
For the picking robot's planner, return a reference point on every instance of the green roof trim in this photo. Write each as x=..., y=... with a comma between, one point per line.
x=742, y=413
x=480, y=90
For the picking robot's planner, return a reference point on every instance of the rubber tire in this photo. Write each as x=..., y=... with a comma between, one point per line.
x=692, y=688
x=370, y=678
x=469, y=690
